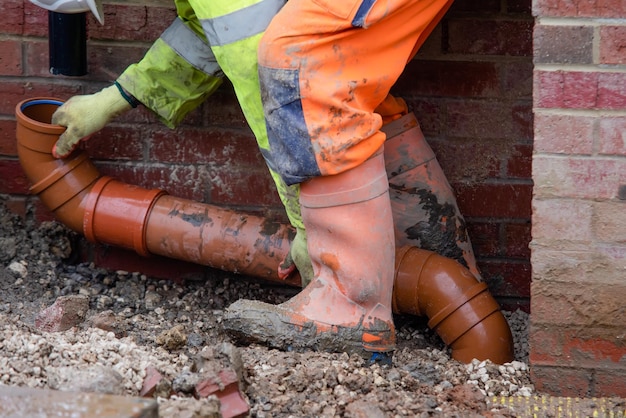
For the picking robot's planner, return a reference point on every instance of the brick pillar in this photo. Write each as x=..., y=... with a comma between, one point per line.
x=578, y=248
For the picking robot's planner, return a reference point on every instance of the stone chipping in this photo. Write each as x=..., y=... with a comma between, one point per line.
x=134, y=324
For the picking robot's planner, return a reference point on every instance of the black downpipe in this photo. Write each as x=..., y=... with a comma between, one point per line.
x=67, y=43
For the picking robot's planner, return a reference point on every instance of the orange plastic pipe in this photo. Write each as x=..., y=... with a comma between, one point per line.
x=147, y=221
x=459, y=307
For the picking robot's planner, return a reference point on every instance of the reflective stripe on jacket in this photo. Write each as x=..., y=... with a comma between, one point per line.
x=210, y=39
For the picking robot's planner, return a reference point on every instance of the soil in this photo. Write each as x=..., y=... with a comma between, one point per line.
x=126, y=328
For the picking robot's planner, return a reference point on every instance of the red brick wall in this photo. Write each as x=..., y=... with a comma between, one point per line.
x=578, y=321
x=470, y=86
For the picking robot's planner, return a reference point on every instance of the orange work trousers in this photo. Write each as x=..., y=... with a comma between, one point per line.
x=325, y=66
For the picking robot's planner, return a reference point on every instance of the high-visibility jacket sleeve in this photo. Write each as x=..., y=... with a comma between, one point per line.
x=178, y=72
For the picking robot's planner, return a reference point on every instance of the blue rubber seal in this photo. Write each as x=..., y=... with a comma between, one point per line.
x=41, y=102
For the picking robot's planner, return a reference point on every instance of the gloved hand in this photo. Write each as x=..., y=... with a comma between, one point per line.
x=298, y=258
x=85, y=115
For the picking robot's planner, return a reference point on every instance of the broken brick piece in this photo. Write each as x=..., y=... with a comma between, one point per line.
x=150, y=382
x=65, y=313
x=226, y=387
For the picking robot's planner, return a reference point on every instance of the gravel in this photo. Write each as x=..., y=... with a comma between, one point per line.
x=126, y=326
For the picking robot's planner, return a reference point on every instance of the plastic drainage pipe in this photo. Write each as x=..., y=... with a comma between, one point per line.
x=459, y=307
x=147, y=221
x=67, y=44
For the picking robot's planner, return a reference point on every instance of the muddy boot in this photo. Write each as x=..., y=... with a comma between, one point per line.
x=347, y=305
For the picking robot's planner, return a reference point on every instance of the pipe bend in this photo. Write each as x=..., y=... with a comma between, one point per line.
x=62, y=185
x=460, y=308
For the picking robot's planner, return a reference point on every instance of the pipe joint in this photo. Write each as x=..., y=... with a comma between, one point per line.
x=118, y=213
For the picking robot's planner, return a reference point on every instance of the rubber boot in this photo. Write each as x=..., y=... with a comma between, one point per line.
x=347, y=305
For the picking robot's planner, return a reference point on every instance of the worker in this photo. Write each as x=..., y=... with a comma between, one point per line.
x=324, y=69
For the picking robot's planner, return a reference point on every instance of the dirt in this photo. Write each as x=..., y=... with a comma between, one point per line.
x=127, y=328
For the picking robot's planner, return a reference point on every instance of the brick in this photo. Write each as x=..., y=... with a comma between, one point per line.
x=8, y=143
x=517, y=79
x=13, y=180
x=591, y=350
x=226, y=387
x=545, y=344
x=187, y=182
x=613, y=45
x=499, y=201
x=128, y=22
x=578, y=177
x=560, y=219
x=15, y=92
x=10, y=57
x=489, y=119
x=614, y=256
x=35, y=20
x=17, y=205
x=490, y=37
x=516, y=240
x=519, y=163
x=140, y=116
x=244, y=188
x=612, y=91
x=37, y=59
x=561, y=304
x=579, y=90
x=227, y=149
x=561, y=381
x=485, y=238
x=609, y=222
x=609, y=382
x=563, y=44
x=576, y=263
x=116, y=142
x=12, y=21
x=550, y=263
x=612, y=135
x=560, y=89
x=522, y=121
x=564, y=134
x=456, y=168
x=580, y=8
x=428, y=77
x=433, y=45
x=106, y=62
x=430, y=114
x=65, y=313
x=41, y=212
x=507, y=278
x=150, y=382
x=222, y=109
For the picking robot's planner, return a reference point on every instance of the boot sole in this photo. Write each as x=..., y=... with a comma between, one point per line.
x=250, y=321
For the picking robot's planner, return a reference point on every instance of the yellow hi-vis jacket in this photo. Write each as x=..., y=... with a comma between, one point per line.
x=210, y=39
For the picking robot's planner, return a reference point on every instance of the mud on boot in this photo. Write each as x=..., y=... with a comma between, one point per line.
x=275, y=326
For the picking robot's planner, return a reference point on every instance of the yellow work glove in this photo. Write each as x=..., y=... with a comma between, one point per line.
x=298, y=258
x=85, y=115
